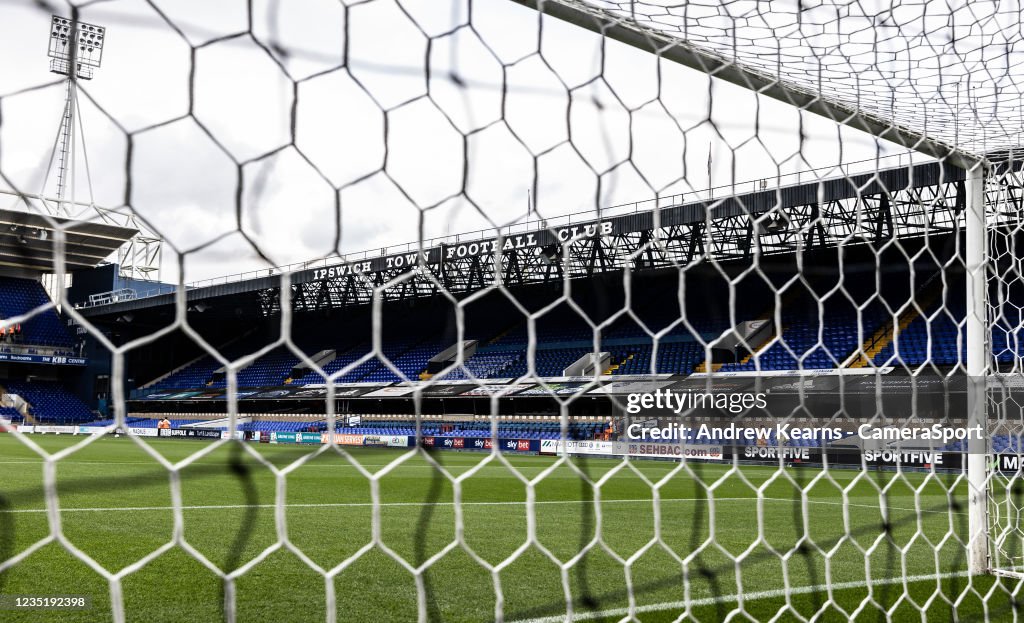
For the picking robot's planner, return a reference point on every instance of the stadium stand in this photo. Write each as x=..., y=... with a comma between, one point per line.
x=11, y=414
x=20, y=296
x=827, y=320
x=50, y=402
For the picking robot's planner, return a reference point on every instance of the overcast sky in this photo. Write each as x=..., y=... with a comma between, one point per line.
x=589, y=123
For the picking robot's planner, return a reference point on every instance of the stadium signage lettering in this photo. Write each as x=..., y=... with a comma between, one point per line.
x=483, y=247
x=143, y=432
x=904, y=458
x=1009, y=462
x=475, y=248
x=590, y=230
x=343, y=439
x=60, y=360
x=771, y=452
x=341, y=270
x=400, y=261
x=486, y=443
x=586, y=446
x=527, y=241
x=198, y=433
x=670, y=450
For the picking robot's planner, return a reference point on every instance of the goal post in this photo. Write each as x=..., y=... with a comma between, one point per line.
x=977, y=364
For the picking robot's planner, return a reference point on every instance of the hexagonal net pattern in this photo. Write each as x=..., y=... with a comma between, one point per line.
x=716, y=252
x=944, y=73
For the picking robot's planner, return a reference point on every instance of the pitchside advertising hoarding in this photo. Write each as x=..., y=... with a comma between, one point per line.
x=341, y=439
x=1008, y=462
x=572, y=446
x=630, y=448
x=290, y=437
x=194, y=433
x=480, y=443
x=668, y=451
x=387, y=441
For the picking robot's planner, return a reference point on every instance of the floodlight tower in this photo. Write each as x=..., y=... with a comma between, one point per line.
x=75, y=51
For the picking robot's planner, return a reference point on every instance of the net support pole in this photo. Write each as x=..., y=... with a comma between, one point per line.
x=977, y=362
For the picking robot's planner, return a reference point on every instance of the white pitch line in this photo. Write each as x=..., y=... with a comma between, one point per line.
x=768, y=594
x=401, y=504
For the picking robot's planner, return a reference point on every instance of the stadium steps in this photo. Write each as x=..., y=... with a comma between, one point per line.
x=768, y=344
x=703, y=367
x=615, y=366
x=885, y=334
x=28, y=418
x=881, y=338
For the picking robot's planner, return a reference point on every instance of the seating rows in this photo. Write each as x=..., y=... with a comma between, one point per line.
x=50, y=402
x=822, y=325
x=486, y=365
x=19, y=296
x=290, y=426
x=10, y=414
x=822, y=329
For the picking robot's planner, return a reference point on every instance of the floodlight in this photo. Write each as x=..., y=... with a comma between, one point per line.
x=86, y=51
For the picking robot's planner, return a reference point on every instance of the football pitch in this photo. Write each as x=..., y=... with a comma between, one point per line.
x=794, y=551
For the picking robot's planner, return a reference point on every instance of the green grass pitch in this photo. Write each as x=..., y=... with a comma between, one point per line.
x=711, y=540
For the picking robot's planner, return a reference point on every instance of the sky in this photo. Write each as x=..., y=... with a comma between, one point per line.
x=412, y=120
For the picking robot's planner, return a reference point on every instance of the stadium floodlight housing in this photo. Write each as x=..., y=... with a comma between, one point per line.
x=77, y=43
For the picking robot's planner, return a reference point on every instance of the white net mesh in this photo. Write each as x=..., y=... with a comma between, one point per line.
x=786, y=258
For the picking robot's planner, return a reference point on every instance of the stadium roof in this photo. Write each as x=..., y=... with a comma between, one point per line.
x=27, y=241
x=910, y=216
x=941, y=79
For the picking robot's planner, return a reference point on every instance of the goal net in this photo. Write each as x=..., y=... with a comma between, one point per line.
x=597, y=310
